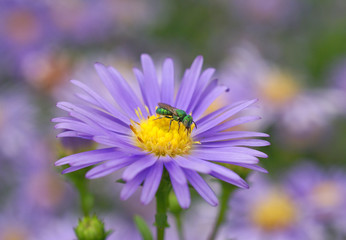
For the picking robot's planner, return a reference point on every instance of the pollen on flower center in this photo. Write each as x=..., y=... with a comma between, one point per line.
x=275, y=212
x=157, y=136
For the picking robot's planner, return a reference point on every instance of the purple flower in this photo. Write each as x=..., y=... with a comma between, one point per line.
x=298, y=115
x=269, y=211
x=145, y=145
x=322, y=193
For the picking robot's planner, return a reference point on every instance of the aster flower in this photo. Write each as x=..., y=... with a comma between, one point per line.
x=297, y=112
x=147, y=146
x=322, y=193
x=269, y=211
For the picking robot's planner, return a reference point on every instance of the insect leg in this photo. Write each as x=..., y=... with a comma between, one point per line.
x=170, y=122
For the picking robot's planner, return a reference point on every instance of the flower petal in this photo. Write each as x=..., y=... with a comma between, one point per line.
x=132, y=185
x=139, y=165
x=188, y=84
x=152, y=182
x=231, y=135
x=192, y=163
x=109, y=167
x=167, y=87
x=201, y=187
x=228, y=125
x=151, y=89
x=93, y=156
x=241, y=142
x=201, y=85
x=212, y=92
x=224, y=116
x=121, y=98
x=181, y=192
x=223, y=155
x=101, y=102
x=175, y=171
x=227, y=175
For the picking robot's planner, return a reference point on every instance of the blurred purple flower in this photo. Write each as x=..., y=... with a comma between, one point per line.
x=17, y=123
x=268, y=211
x=298, y=113
x=24, y=26
x=145, y=145
x=322, y=193
x=266, y=11
x=90, y=21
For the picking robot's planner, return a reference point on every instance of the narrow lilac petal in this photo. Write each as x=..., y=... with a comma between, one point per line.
x=152, y=89
x=78, y=127
x=93, y=155
x=192, y=163
x=73, y=134
x=243, y=150
x=175, y=171
x=224, y=155
x=217, y=112
x=241, y=142
x=121, y=98
x=140, y=79
x=231, y=135
x=201, y=187
x=102, y=103
x=224, y=116
x=188, y=86
x=250, y=151
x=90, y=126
x=65, y=119
x=181, y=192
x=201, y=85
x=227, y=125
x=251, y=166
x=167, y=87
x=206, y=100
x=227, y=175
x=99, y=117
x=132, y=185
x=152, y=182
x=116, y=140
x=75, y=168
x=88, y=99
x=109, y=167
x=125, y=88
x=142, y=163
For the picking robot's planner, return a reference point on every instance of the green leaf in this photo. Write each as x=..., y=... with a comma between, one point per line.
x=143, y=228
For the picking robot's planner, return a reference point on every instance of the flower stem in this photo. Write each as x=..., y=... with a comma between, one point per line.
x=162, y=207
x=179, y=224
x=226, y=191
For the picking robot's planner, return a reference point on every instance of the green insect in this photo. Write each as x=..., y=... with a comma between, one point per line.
x=176, y=114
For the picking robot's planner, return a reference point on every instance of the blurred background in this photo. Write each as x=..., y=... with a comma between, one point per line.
x=289, y=54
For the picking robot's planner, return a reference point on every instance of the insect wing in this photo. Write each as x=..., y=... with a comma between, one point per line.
x=168, y=107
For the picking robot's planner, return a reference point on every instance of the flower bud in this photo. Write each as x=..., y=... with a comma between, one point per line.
x=91, y=228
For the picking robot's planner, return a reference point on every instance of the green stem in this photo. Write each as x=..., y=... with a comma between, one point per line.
x=162, y=207
x=226, y=191
x=179, y=224
x=82, y=186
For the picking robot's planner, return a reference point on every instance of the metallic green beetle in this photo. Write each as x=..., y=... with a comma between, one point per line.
x=176, y=114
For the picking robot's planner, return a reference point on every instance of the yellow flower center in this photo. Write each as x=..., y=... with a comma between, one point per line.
x=274, y=212
x=156, y=135
x=326, y=194
x=279, y=88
